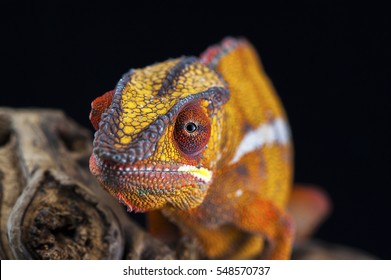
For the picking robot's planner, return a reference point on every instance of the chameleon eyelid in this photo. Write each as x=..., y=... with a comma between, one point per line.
x=191, y=143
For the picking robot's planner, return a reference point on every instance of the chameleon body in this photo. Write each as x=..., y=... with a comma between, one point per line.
x=205, y=141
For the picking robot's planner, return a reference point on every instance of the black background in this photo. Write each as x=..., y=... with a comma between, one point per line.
x=329, y=62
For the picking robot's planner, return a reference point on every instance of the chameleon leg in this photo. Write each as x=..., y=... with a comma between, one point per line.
x=262, y=217
x=244, y=235
x=251, y=248
x=222, y=242
x=226, y=242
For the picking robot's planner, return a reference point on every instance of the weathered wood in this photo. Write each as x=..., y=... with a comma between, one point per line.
x=11, y=181
x=51, y=206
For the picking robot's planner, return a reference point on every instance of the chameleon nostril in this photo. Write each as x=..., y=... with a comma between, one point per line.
x=116, y=158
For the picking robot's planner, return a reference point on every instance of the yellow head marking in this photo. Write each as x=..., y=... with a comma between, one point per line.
x=152, y=91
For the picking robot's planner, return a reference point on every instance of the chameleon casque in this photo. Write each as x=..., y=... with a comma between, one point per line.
x=205, y=141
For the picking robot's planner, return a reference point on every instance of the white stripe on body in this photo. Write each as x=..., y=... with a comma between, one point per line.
x=276, y=131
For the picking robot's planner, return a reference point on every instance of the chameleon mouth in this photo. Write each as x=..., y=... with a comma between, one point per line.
x=198, y=172
x=145, y=186
x=201, y=173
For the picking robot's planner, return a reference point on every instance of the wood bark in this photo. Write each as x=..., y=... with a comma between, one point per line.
x=51, y=206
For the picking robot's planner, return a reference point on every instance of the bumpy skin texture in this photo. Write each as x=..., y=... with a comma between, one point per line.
x=205, y=140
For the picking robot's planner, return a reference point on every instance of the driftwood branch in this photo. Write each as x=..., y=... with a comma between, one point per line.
x=51, y=206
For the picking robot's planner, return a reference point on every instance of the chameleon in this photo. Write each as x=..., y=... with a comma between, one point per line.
x=202, y=143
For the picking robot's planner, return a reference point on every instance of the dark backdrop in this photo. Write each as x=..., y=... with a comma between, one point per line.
x=329, y=63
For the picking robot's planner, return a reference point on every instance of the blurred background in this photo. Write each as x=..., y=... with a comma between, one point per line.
x=330, y=64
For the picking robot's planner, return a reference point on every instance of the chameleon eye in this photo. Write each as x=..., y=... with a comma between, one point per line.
x=192, y=130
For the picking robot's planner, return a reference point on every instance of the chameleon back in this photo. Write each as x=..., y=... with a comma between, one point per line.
x=255, y=127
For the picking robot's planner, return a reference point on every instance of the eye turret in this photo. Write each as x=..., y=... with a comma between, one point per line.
x=192, y=130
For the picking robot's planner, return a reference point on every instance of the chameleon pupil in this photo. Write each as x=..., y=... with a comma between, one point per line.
x=191, y=127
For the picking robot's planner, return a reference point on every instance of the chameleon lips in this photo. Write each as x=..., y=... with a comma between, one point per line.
x=149, y=186
x=199, y=172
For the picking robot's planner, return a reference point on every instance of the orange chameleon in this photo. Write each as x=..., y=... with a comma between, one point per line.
x=206, y=141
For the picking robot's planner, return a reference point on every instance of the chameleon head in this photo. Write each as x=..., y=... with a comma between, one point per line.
x=158, y=133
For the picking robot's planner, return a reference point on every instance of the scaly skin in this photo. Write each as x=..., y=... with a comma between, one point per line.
x=205, y=140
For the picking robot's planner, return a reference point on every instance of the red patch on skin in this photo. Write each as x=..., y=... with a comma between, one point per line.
x=98, y=106
x=212, y=52
x=209, y=54
x=94, y=168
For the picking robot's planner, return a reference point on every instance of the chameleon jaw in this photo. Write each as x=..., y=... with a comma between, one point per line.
x=144, y=186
